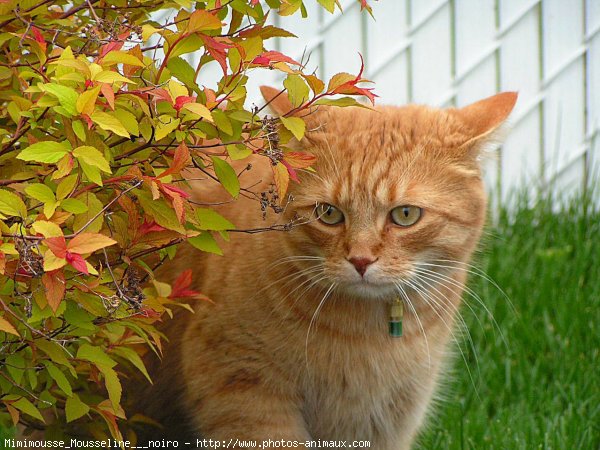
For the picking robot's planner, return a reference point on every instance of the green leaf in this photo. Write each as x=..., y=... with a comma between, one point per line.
x=40, y=192
x=56, y=353
x=45, y=151
x=129, y=121
x=329, y=5
x=163, y=213
x=75, y=408
x=73, y=205
x=343, y=101
x=185, y=73
x=296, y=125
x=93, y=157
x=94, y=207
x=131, y=355
x=59, y=377
x=11, y=204
x=297, y=89
x=109, y=123
x=238, y=151
x=212, y=220
x=66, y=186
x=67, y=97
x=15, y=364
x=222, y=122
x=226, y=176
x=27, y=407
x=205, y=242
x=79, y=130
x=95, y=355
x=91, y=172
x=113, y=386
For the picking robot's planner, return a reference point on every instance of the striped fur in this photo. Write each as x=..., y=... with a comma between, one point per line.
x=295, y=345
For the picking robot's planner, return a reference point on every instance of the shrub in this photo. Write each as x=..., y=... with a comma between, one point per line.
x=95, y=132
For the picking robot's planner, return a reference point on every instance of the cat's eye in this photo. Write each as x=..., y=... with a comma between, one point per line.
x=406, y=215
x=329, y=214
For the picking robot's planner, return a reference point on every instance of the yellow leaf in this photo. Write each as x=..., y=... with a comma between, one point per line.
x=109, y=76
x=295, y=124
x=93, y=157
x=7, y=327
x=203, y=20
x=148, y=31
x=89, y=243
x=282, y=179
x=200, y=110
x=53, y=262
x=119, y=57
x=47, y=229
x=86, y=103
x=109, y=123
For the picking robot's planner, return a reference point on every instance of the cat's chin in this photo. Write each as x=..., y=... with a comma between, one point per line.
x=369, y=290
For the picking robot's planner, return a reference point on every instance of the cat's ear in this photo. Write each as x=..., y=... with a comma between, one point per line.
x=277, y=100
x=484, y=118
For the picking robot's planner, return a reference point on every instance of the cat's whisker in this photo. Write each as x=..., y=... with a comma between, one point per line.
x=312, y=320
x=432, y=284
x=406, y=297
x=424, y=295
x=445, y=278
x=476, y=271
x=454, y=312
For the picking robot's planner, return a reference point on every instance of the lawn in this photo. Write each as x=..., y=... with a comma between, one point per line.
x=539, y=388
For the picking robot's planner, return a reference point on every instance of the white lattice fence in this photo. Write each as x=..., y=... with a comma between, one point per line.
x=452, y=52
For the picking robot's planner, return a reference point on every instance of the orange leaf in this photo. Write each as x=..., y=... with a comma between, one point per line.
x=180, y=160
x=109, y=94
x=54, y=282
x=57, y=245
x=299, y=160
x=89, y=243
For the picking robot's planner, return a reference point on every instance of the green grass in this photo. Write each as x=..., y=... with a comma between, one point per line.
x=540, y=389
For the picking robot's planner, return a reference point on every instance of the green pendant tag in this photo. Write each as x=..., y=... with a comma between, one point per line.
x=396, y=315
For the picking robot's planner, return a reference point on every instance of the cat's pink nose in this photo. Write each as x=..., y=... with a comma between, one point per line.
x=361, y=264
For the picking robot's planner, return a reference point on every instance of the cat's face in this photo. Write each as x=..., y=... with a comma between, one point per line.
x=395, y=190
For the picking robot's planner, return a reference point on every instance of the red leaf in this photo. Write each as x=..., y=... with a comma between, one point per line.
x=88, y=120
x=291, y=171
x=182, y=100
x=161, y=94
x=350, y=86
x=148, y=227
x=217, y=47
x=38, y=37
x=180, y=287
x=106, y=48
x=77, y=262
x=266, y=58
x=54, y=283
x=170, y=187
x=58, y=245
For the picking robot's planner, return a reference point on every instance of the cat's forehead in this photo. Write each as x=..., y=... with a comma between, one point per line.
x=374, y=159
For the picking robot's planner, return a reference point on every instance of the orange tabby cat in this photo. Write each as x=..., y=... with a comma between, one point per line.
x=296, y=345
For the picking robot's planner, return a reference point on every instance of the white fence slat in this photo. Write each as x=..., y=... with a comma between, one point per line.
x=431, y=59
